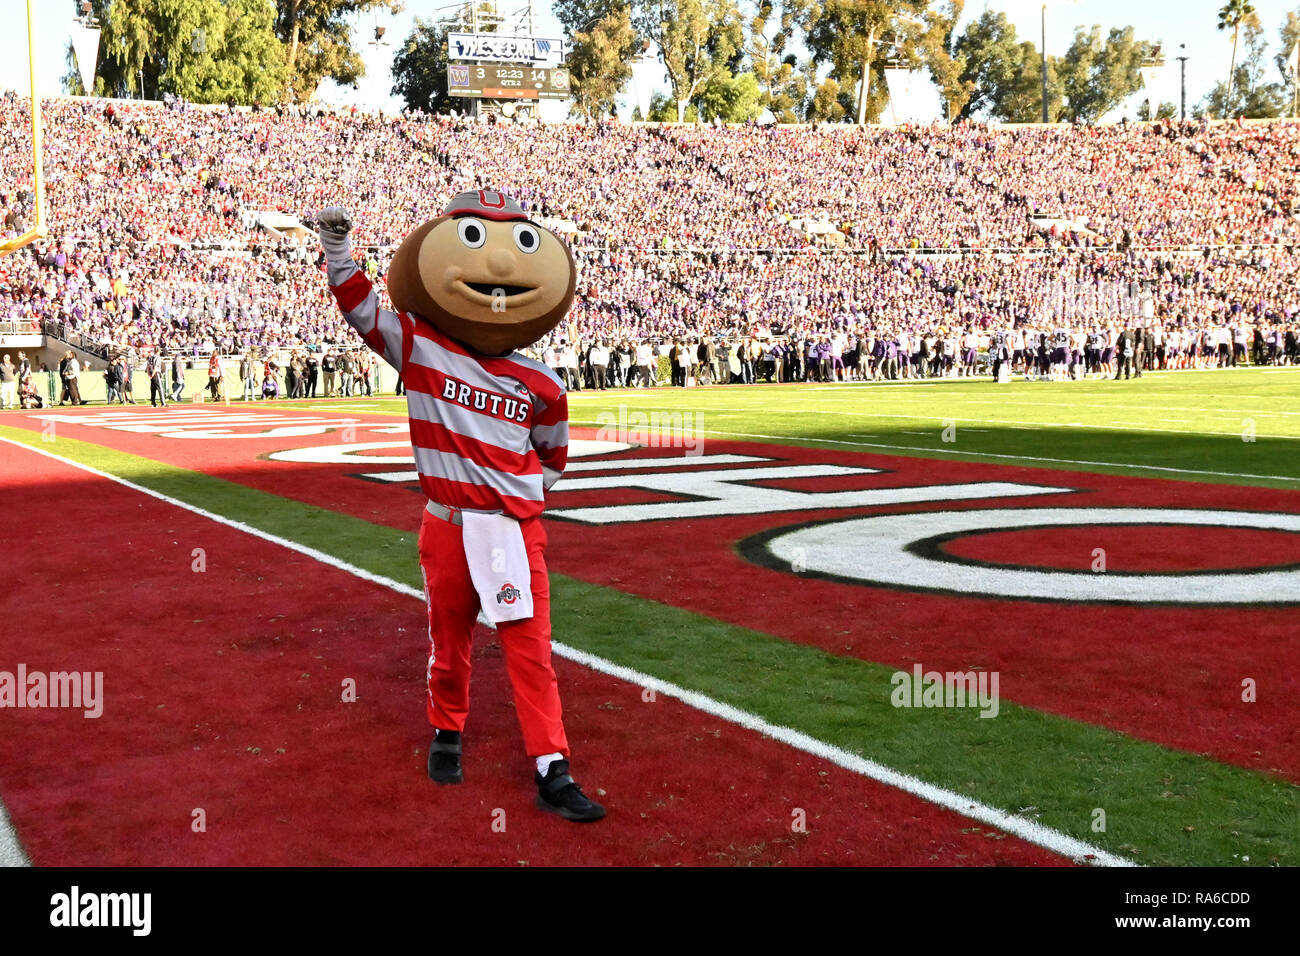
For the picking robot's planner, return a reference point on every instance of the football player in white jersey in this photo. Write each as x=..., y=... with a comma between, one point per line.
x=999, y=352
x=970, y=343
x=1059, y=354
x=1078, y=341
x=1107, y=349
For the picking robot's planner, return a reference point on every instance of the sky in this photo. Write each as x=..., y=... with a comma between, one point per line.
x=1190, y=22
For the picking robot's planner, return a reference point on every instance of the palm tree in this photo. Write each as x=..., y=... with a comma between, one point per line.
x=1232, y=16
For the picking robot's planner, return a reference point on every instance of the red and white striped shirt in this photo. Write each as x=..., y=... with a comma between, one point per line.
x=489, y=433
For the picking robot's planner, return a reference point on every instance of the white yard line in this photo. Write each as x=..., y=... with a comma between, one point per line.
x=1021, y=423
x=1018, y=423
x=1013, y=423
x=989, y=454
x=1027, y=830
x=1109, y=406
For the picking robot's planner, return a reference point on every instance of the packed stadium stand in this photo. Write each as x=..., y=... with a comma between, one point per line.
x=183, y=228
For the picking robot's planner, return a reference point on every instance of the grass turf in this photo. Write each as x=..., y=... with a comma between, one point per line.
x=1162, y=806
x=1231, y=426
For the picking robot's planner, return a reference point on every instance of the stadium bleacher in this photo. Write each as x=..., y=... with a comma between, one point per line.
x=679, y=231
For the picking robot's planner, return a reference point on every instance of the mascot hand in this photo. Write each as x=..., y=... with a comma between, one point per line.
x=335, y=225
x=335, y=220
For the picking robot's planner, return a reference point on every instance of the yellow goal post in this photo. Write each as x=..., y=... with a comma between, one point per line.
x=39, y=229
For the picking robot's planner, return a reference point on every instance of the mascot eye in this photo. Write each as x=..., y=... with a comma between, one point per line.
x=527, y=238
x=471, y=232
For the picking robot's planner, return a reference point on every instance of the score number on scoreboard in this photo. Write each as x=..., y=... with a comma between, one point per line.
x=500, y=81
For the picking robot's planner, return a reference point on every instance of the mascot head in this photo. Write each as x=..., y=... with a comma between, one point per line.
x=484, y=274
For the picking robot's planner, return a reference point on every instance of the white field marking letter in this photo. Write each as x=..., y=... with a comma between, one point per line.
x=349, y=690
x=949, y=433
x=1098, y=560
x=1098, y=820
x=1248, y=430
x=200, y=562
x=647, y=695
x=799, y=820
x=199, y=820
x=498, y=820
x=1248, y=690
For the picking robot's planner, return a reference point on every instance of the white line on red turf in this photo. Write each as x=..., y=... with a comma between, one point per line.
x=1027, y=830
x=989, y=454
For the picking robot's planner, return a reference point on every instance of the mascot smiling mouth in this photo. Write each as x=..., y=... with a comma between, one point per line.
x=516, y=294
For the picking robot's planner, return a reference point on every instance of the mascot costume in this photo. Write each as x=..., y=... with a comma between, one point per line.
x=490, y=430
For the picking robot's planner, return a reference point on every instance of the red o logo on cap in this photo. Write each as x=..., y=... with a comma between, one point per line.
x=483, y=200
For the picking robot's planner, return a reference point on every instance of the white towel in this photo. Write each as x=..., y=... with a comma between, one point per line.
x=498, y=565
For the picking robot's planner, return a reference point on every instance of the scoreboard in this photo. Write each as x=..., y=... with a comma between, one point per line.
x=499, y=81
x=499, y=48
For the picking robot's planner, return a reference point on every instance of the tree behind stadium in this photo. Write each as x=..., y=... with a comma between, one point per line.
x=1233, y=15
x=1248, y=92
x=218, y=51
x=319, y=42
x=601, y=53
x=856, y=37
x=1097, y=76
x=700, y=42
x=602, y=45
x=420, y=69
x=205, y=51
x=1003, y=73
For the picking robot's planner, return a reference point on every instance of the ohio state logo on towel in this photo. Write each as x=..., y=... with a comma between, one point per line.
x=508, y=594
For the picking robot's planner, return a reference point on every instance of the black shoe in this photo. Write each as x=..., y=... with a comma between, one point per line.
x=444, y=757
x=557, y=793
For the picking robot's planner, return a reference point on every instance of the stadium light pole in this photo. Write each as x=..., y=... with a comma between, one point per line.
x=1043, y=54
x=1044, y=58
x=1295, y=77
x=1182, y=84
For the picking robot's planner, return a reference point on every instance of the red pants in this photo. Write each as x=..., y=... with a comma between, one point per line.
x=453, y=611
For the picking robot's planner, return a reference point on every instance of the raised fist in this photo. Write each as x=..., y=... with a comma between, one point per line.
x=334, y=220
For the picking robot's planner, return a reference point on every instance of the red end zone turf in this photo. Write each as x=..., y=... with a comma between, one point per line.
x=223, y=693
x=1178, y=685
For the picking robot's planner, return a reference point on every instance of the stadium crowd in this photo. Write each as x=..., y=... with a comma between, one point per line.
x=735, y=252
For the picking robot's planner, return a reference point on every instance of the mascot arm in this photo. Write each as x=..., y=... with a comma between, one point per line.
x=385, y=332
x=550, y=436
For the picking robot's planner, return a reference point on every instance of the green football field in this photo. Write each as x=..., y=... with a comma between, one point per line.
x=1226, y=426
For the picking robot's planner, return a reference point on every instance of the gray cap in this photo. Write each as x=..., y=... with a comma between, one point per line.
x=486, y=204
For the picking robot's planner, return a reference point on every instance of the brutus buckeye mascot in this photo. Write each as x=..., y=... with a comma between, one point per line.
x=490, y=430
